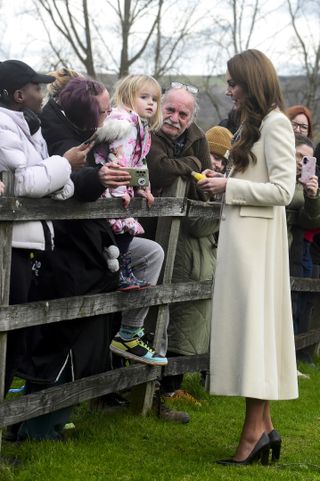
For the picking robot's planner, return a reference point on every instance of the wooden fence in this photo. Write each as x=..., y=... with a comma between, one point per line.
x=140, y=378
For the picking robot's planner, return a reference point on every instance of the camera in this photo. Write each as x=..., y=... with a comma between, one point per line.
x=139, y=176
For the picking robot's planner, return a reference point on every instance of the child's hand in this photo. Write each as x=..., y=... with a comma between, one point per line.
x=2, y=188
x=126, y=200
x=146, y=193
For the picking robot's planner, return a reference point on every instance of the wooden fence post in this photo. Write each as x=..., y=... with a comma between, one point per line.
x=167, y=235
x=5, y=269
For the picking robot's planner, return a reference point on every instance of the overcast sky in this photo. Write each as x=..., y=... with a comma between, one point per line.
x=24, y=38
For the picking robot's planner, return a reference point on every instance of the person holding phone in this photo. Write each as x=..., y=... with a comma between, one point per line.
x=82, y=108
x=303, y=213
x=252, y=342
x=306, y=196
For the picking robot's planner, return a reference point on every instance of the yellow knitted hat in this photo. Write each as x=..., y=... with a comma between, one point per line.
x=219, y=139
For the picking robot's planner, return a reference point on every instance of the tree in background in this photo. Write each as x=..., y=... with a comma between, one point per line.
x=230, y=32
x=73, y=24
x=307, y=48
x=129, y=14
x=161, y=37
x=136, y=23
x=171, y=48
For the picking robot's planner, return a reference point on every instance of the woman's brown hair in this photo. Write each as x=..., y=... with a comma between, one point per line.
x=256, y=75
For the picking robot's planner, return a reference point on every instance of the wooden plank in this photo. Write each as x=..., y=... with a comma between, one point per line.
x=304, y=284
x=167, y=232
x=69, y=394
x=307, y=339
x=22, y=208
x=45, y=312
x=183, y=364
x=210, y=210
x=5, y=271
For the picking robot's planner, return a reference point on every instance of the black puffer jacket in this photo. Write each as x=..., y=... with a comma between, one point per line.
x=61, y=135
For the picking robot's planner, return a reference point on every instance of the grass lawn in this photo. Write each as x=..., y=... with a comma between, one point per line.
x=118, y=446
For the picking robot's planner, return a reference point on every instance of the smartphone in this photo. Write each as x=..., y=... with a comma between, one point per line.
x=139, y=176
x=308, y=169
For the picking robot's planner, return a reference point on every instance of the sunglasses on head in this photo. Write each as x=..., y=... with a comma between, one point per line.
x=190, y=88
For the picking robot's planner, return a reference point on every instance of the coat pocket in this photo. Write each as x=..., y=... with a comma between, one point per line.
x=265, y=212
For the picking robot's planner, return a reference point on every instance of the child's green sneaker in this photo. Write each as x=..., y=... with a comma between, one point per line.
x=137, y=349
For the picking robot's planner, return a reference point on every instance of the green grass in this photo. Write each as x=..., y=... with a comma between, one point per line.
x=121, y=447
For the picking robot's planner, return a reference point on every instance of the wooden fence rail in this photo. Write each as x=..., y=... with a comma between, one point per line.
x=170, y=210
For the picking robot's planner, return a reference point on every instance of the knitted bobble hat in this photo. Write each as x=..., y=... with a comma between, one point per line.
x=219, y=139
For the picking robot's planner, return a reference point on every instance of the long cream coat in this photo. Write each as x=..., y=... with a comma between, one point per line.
x=252, y=343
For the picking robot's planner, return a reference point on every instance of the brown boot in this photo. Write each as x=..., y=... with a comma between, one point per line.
x=167, y=414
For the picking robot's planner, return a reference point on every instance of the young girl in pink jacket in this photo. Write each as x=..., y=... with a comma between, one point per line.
x=137, y=100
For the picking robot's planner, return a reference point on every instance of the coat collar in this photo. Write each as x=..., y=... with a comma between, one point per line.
x=18, y=118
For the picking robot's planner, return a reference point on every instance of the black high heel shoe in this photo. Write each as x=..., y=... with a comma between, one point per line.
x=275, y=444
x=259, y=452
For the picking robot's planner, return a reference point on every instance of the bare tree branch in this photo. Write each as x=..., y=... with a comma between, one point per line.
x=252, y=23
x=66, y=25
x=310, y=56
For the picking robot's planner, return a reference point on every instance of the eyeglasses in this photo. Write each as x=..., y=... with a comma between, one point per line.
x=301, y=127
x=190, y=88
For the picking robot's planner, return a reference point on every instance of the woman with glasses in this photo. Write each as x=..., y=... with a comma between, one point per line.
x=301, y=120
x=252, y=343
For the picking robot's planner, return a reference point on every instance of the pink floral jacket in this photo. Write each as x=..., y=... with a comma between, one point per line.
x=128, y=151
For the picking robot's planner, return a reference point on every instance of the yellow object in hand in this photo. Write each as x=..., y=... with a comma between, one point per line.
x=198, y=176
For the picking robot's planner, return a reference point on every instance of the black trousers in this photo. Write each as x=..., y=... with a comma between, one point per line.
x=20, y=287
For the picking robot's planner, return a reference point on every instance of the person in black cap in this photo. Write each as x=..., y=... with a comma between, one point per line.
x=23, y=151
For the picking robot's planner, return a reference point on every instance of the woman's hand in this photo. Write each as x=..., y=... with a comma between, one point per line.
x=77, y=156
x=2, y=188
x=215, y=183
x=112, y=175
x=311, y=187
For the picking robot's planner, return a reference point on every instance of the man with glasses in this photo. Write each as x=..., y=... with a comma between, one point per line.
x=179, y=148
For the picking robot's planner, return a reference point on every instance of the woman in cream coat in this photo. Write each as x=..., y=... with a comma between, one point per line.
x=252, y=344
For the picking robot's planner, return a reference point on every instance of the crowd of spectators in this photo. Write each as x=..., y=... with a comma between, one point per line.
x=78, y=143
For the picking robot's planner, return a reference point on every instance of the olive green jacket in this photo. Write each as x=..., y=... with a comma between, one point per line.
x=302, y=213
x=189, y=326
